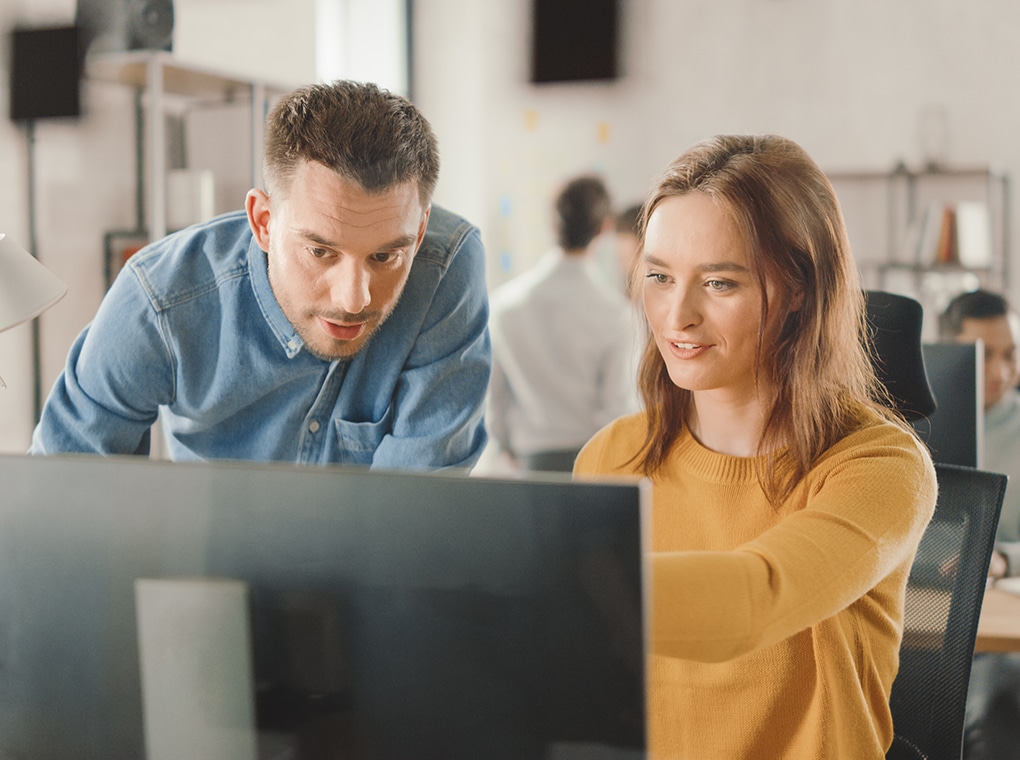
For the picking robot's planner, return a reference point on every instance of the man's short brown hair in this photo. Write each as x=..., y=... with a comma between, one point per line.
x=364, y=133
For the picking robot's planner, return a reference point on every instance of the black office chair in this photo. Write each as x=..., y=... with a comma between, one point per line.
x=895, y=324
x=947, y=580
x=943, y=605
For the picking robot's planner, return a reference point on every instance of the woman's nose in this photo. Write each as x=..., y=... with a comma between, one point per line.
x=684, y=310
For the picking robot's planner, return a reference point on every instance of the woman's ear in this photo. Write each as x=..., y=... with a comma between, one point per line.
x=256, y=205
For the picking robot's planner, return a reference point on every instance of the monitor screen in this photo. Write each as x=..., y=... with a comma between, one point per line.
x=217, y=610
x=955, y=429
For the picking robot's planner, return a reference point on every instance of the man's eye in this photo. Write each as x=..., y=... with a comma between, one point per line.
x=318, y=252
x=384, y=257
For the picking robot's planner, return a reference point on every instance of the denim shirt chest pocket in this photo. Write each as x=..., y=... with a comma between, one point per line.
x=358, y=441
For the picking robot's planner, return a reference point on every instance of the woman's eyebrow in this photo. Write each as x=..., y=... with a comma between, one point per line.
x=723, y=266
x=717, y=266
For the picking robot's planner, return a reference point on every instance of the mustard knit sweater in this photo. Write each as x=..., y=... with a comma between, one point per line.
x=775, y=633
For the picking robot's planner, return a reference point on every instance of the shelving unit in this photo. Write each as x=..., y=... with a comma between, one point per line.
x=158, y=78
x=885, y=211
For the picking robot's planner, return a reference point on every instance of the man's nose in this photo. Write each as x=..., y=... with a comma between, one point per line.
x=350, y=286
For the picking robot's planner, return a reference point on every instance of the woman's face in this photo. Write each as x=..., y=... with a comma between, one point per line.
x=702, y=302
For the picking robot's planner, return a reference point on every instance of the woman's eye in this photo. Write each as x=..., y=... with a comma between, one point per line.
x=657, y=277
x=719, y=285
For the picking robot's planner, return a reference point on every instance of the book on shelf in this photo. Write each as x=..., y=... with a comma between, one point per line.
x=955, y=234
x=946, y=250
x=974, y=234
x=929, y=230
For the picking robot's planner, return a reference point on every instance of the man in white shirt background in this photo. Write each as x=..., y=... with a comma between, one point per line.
x=562, y=342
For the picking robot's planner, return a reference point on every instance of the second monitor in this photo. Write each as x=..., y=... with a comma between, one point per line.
x=954, y=432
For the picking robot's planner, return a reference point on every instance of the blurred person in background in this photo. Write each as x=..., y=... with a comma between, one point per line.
x=561, y=342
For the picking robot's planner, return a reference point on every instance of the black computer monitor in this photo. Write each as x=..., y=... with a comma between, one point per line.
x=347, y=613
x=955, y=430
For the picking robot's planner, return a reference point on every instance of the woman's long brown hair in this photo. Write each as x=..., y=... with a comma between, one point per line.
x=812, y=358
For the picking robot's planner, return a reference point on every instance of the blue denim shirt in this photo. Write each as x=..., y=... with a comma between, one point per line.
x=191, y=330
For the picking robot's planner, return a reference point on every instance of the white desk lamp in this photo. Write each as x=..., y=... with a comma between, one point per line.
x=27, y=288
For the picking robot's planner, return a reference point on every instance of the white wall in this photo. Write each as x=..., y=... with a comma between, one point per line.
x=271, y=40
x=848, y=79
x=84, y=181
x=364, y=40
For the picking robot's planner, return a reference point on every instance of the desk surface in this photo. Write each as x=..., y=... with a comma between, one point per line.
x=999, y=628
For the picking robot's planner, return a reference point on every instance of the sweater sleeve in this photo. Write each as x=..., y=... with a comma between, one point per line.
x=119, y=370
x=863, y=509
x=866, y=509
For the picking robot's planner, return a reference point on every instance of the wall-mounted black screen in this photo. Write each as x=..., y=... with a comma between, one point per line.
x=574, y=40
x=391, y=615
x=45, y=73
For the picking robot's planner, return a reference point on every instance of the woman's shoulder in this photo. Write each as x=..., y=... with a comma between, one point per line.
x=613, y=449
x=878, y=463
x=876, y=436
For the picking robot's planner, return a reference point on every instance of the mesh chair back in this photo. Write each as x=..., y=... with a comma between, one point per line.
x=943, y=604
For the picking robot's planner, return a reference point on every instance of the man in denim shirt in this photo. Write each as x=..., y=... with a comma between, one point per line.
x=340, y=318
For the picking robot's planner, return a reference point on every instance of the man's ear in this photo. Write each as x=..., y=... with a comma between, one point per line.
x=256, y=205
x=423, y=226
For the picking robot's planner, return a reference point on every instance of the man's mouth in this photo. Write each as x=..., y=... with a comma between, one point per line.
x=342, y=331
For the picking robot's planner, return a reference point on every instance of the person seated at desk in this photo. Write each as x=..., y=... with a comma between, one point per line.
x=561, y=343
x=992, y=728
x=788, y=498
x=339, y=318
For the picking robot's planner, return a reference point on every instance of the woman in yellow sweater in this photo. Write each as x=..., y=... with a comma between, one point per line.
x=788, y=500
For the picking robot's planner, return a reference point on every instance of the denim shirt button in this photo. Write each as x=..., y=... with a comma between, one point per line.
x=314, y=427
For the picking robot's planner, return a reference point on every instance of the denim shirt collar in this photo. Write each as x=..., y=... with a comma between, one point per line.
x=284, y=331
